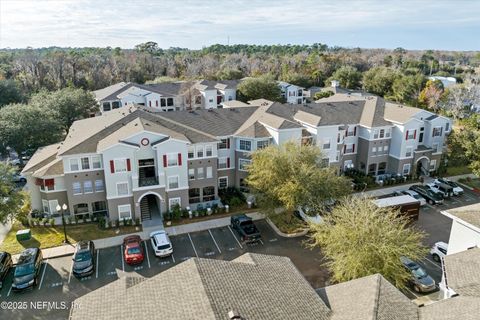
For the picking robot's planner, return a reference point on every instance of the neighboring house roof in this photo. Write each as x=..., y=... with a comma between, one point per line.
x=469, y=214
x=102, y=94
x=260, y=102
x=42, y=157
x=463, y=272
x=234, y=104
x=256, y=286
x=114, y=94
x=370, y=297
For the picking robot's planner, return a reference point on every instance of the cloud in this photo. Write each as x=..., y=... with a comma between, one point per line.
x=193, y=24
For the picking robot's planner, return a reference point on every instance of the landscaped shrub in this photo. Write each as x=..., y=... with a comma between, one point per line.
x=185, y=213
x=137, y=221
x=110, y=223
x=176, y=212
x=232, y=193
x=236, y=202
x=101, y=222
x=44, y=222
x=52, y=222
x=69, y=220
x=76, y=219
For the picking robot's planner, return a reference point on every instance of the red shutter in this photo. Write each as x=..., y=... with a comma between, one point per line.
x=228, y=162
x=355, y=131
x=353, y=148
x=344, y=148
x=228, y=143
x=112, y=166
x=49, y=182
x=38, y=182
x=179, y=159
x=406, y=135
x=164, y=160
x=129, y=167
x=414, y=134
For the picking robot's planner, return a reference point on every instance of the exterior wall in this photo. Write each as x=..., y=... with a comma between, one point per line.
x=209, y=98
x=324, y=135
x=395, y=165
x=182, y=194
x=88, y=198
x=289, y=135
x=113, y=207
x=119, y=151
x=34, y=192
x=205, y=182
x=462, y=237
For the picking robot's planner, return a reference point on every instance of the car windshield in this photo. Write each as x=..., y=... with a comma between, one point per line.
x=419, y=273
x=416, y=196
x=134, y=250
x=82, y=256
x=162, y=247
x=24, y=269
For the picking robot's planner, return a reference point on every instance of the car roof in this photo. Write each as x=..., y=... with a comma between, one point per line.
x=160, y=237
x=408, y=263
x=83, y=245
x=441, y=244
x=411, y=192
x=28, y=255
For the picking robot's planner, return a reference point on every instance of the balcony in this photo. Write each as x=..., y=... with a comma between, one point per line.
x=144, y=182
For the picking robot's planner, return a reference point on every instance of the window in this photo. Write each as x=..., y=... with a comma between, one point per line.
x=173, y=202
x=210, y=100
x=200, y=173
x=375, y=134
x=437, y=132
x=337, y=156
x=209, y=172
x=208, y=151
x=374, y=150
x=99, y=206
x=435, y=147
x=408, y=152
x=410, y=134
x=208, y=193
x=106, y=106
x=222, y=163
x=349, y=148
x=169, y=102
x=372, y=168
x=85, y=163
x=80, y=208
x=122, y=188
x=433, y=164
x=46, y=208
x=163, y=102
x=173, y=182
x=326, y=144
x=222, y=182
x=245, y=145
x=120, y=165
x=191, y=174
x=382, y=133
x=191, y=152
x=77, y=188
x=224, y=144
x=96, y=163
x=406, y=168
x=172, y=159
x=447, y=126
x=124, y=212
x=325, y=162
x=351, y=131
x=87, y=187
x=243, y=163
x=115, y=104
x=385, y=149
x=74, y=165
x=382, y=167
x=387, y=133
x=99, y=186
x=262, y=144
x=200, y=152
x=193, y=195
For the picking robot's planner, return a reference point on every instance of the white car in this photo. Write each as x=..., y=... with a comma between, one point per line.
x=457, y=190
x=415, y=195
x=438, y=190
x=161, y=243
x=439, y=251
x=18, y=177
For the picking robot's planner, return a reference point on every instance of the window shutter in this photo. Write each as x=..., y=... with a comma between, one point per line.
x=344, y=148
x=228, y=143
x=355, y=131
x=156, y=103
x=433, y=132
x=406, y=135
x=179, y=159
x=441, y=131
x=353, y=148
x=149, y=103
x=346, y=131
x=228, y=162
x=164, y=160
x=129, y=167
x=38, y=182
x=414, y=134
x=49, y=182
x=112, y=166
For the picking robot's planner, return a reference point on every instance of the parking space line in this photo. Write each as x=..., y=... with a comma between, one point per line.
x=192, y=244
x=173, y=258
x=121, y=255
x=413, y=293
x=71, y=271
x=10, y=290
x=261, y=241
x=218, y=248
x=235, y=237
x=433, y=263
x=43, y=274
x=146, y=252
x=96, y=270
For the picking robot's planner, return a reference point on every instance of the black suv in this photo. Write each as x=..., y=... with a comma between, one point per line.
x=84, y=259
x=6, y=264
x=27, y=269
x=246, y=229
x=429, y=195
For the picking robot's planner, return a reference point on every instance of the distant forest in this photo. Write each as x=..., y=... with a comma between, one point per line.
x=307, y=65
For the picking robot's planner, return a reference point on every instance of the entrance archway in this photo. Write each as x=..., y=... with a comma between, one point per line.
x=150, y=206
x=422, y=166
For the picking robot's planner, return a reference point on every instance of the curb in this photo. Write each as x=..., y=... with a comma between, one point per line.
x=466, y=187
x=286, y=235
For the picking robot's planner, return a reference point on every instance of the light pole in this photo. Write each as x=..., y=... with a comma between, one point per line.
x=63, y=208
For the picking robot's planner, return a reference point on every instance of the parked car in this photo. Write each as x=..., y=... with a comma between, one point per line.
x=444, y=189
x=413, y=194
x=457, y=190
x=161, y=243
x=439, y=250
x=245, y=227
x=18, y=177
x=84, y=259
x=430, y=186
x=6, y=263
x=430, y=196
x=27, y=269
x=133, y=250
x=419, y=280
x=300, y=214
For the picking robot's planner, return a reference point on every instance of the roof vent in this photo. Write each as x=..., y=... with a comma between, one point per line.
x=234, y=315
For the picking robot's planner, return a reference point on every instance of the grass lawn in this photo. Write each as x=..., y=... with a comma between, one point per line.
x=288, y=223
x=455, y=171
x=47, y=237
x=474, y=183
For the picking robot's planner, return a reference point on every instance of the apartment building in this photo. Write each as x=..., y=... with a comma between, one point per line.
x=137, y=162
x=168, y=96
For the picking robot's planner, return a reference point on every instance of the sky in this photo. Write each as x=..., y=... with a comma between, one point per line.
x=411, y=24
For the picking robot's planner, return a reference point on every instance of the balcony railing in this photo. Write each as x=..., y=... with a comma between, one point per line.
x=147, y=182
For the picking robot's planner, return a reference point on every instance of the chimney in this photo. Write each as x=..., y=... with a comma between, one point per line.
x=335, y=83
x=234, y=315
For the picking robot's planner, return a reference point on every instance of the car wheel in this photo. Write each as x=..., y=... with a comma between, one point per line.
x=23, y=180
x=436, y=258
x=416, y=288
x=430, y=201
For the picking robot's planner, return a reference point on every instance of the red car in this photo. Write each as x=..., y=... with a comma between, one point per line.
x=133, y=250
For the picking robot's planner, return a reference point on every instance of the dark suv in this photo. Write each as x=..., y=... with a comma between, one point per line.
x=429, y=195
x=84, y=259
x=245, y=227
x=6, y=264
x=27, y=270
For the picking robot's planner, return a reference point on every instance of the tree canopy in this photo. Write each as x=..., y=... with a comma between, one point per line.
x=256, y=88
x=359, y=239
x=292, y=175
x=11, y=198
x=9, y=93
x=379, y=80
x=349, y=77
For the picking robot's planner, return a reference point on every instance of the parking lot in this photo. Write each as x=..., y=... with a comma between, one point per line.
x=58, y=285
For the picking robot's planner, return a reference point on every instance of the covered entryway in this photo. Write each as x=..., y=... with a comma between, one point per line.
x=422, y=167
x=150, y=207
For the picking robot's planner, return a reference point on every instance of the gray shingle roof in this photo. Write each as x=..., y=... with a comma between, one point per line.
x=463, y=272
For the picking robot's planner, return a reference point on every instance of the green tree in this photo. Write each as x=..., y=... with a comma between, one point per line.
x=262, y=87
x=407, y=89
x=27, y=127
x=67, y=105
x=162, y=79
x=298, y=79
x=323, y=94
x=11, y=198
x=359, y=239
x=9, y=93
x=292, y=175
x=464, y=145
x=348, y=76
x=379, y=80
x=229, y=74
